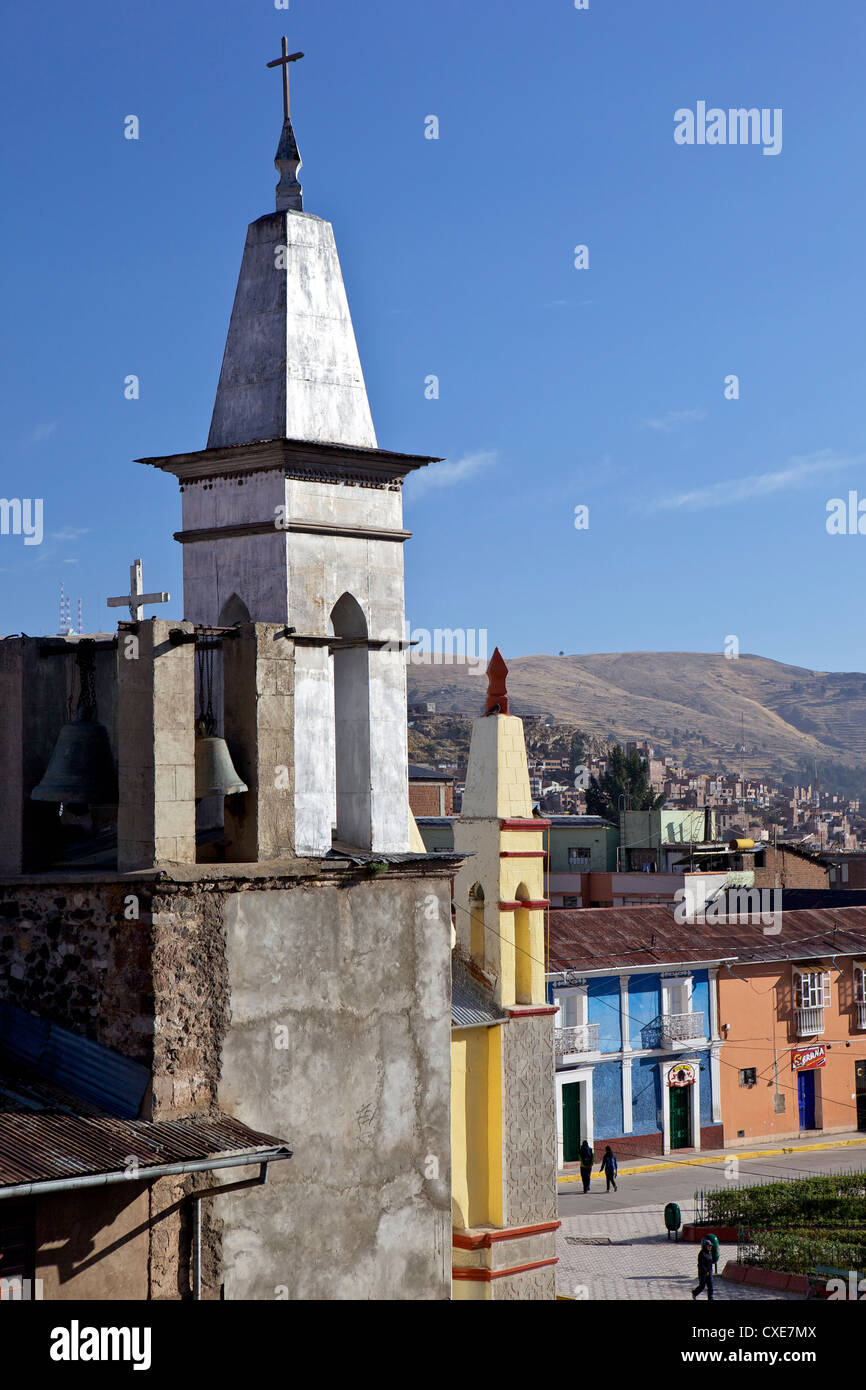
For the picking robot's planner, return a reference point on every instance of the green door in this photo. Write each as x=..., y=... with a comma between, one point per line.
x=681, y=1117
x=571, y=1122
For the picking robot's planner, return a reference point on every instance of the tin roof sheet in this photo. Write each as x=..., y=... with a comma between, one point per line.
x=48, y=1134
x=610, y=938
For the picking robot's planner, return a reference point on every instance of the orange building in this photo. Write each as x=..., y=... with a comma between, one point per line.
x=792, y=1013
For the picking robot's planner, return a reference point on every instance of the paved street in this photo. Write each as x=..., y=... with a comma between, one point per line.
x=633, y=1259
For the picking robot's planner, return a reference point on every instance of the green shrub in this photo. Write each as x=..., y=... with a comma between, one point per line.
x=837, y=1200
x=798, y=1252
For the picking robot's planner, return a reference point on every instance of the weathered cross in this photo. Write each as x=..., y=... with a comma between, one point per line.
x=284, y=64
x=136, y=599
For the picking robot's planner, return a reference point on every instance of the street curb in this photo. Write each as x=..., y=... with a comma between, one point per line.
x=722, y=1157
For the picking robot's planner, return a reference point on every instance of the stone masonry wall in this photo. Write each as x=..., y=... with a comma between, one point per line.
x=69, y=954
x=529, y=1120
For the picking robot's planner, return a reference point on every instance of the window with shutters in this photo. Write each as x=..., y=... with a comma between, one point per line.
x=811, y=998
x=813, y=989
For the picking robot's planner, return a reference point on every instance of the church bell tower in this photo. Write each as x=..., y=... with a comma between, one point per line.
x=292, y=515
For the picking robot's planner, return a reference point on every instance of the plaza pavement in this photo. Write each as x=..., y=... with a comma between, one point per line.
x=615, y=1246
x=639, y=1262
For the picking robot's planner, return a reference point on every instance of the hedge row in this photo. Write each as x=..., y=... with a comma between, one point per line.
x=835, y=1200
x=798, y=1252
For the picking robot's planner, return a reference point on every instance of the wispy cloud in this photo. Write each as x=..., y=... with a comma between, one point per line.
x=70, y=533
x=797, y=471
x=40, y=432
x=673, y=420
x=450, y=474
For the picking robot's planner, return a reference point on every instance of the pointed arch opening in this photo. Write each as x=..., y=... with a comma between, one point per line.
x=351, y=678
x=233, y=612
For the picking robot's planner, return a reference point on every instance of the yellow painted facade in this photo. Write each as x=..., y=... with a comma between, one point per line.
x=476, y=1126
x=504, y=1244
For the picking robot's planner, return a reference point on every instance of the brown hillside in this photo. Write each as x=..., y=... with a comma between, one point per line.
x=688, y=702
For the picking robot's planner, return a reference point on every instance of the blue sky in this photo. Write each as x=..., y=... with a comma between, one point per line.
x=558, y=387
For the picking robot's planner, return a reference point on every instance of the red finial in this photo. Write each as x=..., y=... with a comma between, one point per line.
x=497, y=695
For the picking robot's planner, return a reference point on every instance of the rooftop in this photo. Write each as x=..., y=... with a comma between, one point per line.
x=599, y=939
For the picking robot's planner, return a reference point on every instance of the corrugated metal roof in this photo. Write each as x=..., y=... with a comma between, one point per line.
x=470, y=1008
x=599, y=938
x=76, y=1064
x=45, y=1134
x=420, y=772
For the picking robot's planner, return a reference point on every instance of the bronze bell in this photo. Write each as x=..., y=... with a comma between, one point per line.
x=215, y=773
x=80, y=771
x=214, y=770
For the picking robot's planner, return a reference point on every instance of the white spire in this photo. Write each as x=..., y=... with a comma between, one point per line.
x=291, y=368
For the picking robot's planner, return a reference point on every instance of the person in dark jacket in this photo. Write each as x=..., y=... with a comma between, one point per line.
x=705, y=1270
x=587, y=1158
x=609, y=1167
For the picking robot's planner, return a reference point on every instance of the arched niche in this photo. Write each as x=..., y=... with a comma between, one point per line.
x=233, y=612
x=352, y=723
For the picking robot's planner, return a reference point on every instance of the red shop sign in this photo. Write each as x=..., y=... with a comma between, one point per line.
x=808, y=1058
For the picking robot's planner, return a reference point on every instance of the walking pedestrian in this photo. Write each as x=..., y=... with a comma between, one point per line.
x=609, y=1167
x=587, y=1158
x=705, y=1270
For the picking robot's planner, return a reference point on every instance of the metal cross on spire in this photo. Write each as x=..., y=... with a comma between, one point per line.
x=283, y=63
x=136, y=598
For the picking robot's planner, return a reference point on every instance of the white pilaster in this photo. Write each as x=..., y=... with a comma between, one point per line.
x=624, y=1023
x=714, y=1008
x=627, y=1117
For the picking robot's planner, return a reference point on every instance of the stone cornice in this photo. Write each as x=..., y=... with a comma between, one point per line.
x=297, y=458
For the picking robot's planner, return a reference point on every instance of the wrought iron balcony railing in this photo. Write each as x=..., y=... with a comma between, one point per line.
x=682, y=1027
x=583, y=1037
x=860, y=1009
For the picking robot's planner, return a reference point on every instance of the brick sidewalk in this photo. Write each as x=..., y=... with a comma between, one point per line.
x=640, y=1263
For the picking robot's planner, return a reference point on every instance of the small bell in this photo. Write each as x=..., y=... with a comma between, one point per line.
x=215, y=773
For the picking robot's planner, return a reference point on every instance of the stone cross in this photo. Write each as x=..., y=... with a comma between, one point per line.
x=283, y=63
x=136, y=599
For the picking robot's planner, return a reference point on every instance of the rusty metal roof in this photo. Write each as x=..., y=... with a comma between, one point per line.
x=47, y=1134
x=613, y=938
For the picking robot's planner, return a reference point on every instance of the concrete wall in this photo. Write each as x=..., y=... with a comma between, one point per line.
x=253, y=567
x=314, y=1006
x=339, y=1042
x=600, y=840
